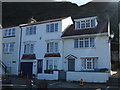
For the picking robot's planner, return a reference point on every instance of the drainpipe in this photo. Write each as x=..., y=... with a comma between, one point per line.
x=20, y=49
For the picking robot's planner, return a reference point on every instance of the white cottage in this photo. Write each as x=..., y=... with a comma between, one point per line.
x=42, y=48
x=11, y=49
x=86, y=50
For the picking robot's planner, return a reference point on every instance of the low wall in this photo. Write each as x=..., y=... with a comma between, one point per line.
x=100, y=77
x=53, y=76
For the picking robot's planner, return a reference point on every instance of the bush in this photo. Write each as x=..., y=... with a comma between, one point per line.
x=103, y=70
x=48, y=71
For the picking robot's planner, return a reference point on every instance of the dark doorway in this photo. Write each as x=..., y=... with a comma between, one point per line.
x=71, y=64
x=62, y=75
x=40, y=65
x=26, y=68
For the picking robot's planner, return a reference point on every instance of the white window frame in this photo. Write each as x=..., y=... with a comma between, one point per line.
x=29, y=48
x=8, y=47
x=52, y=47
x=53, y=66
x=88, y=42
x=50, y=28
x=85, y=22
x=89, y=63
x=31, y=30
x=9, y=32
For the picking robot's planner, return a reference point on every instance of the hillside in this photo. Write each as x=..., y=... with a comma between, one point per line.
x=17, y=13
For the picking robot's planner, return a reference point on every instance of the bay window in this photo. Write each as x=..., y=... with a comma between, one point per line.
x=52, y=47
x=89, y=63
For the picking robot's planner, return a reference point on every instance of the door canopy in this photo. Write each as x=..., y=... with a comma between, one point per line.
x=70, y=56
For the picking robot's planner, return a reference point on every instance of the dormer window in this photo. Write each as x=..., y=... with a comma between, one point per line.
x=85, y=23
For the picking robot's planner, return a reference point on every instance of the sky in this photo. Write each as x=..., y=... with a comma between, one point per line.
x=78, y=2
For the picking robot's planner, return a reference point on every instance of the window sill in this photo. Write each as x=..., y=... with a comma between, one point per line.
x=8, y=36
x=86, y=48
x=28, y=53
x=85, y=28
x=52, y=52
x=30, y=35
x=52, y=32
x=7, y=52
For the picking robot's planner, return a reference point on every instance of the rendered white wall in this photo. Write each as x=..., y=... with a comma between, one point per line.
x=88, y=76
x=53, y=76
x=101, y=50
x=41, y=37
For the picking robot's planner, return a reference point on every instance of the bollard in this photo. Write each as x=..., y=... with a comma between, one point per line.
x=34, y=77
x=81, y=82
x=27, y=79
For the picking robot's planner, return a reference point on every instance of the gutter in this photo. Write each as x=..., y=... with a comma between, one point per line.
x=74, y=36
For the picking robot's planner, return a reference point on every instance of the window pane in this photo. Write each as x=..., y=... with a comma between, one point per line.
x=34, y=30
x=56, y=27
x=11, y=47
x=51, y=27
x=31, y=30
x=78, y=24
x=47, y=28
x=9, y=33
x=86, y=42
x=56, y=47
x=6, y=32
x=81, y=43
x=87, y=23
x=31, y=48
x=75, y=43
x=93, y=23
x=51, y=46
x=82, y=24
x=27, y=31
x=13, y=31
x=92, y=42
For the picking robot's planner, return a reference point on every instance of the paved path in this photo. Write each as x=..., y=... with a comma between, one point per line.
x=19, y=82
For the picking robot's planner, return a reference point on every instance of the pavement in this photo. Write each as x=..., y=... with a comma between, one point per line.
x=20, y=82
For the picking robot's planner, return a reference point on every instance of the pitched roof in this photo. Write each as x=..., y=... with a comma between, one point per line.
x=45, y=21
x=52, y=55
x=102, y=27
x=28, y=56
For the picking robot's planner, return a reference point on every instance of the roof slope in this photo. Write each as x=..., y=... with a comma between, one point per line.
x=102, y=27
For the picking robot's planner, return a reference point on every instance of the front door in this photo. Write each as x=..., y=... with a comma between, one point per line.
x=26, y=68
x=71, y=64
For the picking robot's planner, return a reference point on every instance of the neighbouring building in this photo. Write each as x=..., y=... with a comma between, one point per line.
x=11, y=49
x=86, y=50
x=119, y=44
x=42, y=48
x=1, y=50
